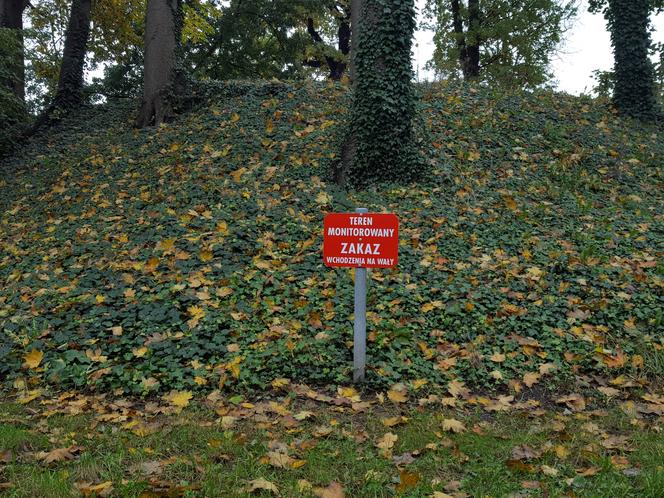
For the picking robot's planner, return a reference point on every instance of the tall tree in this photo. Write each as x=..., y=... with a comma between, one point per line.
x=163, y=28
x=379, y=145
x=11, y=18
x=115, y=41
x=633, y=71
x=506, y=42
x=69, y=93
x=70, y=82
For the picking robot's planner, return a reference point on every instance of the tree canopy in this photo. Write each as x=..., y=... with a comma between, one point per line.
x=504, y=42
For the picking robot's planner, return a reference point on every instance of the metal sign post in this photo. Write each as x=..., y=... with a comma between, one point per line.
x=360, y=325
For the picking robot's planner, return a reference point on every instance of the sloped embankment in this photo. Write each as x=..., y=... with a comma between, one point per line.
x=190, y=256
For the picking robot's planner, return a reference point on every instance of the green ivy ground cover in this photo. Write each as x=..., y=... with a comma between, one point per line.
x=189, y=256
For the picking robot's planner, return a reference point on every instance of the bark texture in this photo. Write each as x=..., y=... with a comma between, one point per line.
x=468, y=41
x=355, y=15
x=11, y=17
x=162, y=35
x=349, y=146
x=343, y=34
x=473, y=43
x=70, y=83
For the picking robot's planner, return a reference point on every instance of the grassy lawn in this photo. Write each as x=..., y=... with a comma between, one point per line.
x=294, y=447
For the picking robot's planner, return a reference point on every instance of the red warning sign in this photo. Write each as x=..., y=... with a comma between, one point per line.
x=361, y=240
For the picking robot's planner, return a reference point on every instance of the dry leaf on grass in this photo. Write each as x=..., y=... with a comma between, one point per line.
x=392, y=421
x=453, y=425
x=101, y=490
x=60, y=454
x=387, y=442
x=407, y=480
x=531, y=378
x=333, y=490
x=525, y=452
x=261, y=485
x=574, y=402
x=349, y=393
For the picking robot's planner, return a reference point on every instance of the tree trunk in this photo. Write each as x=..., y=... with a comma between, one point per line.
x=11, y=17
x=70, y=83
x=457, y=22
x=355, y=15
x=634, y=76
x=163, y=25
x=344, y=34
x=349, y=146
x=468, y=42
x=473, y=39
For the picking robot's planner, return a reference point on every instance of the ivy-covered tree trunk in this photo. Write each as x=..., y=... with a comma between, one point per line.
x=70, y=82
x=379, y=145
x=634, y=93
x=163, y=27
x=11, y=17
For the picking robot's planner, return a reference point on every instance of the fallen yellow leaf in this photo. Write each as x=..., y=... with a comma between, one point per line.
x=387, y=442
x=531, y=378
x=497, y=357
x=179, y=398
x=398, y=394
x=349, y=393
x=453, y=425
x=139, y=352
x=261, y=485
x=33, y=358
x=333, y=490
